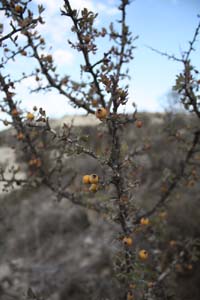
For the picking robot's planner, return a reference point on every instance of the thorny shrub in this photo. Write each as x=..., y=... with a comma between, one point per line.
x=102, y=92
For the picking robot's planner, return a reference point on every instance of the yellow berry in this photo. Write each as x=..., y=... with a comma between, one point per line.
x=94, y=103
x=132, y=285
x=18, y=8
x=144, y=221
x=38, y=163
x=93, y=188
x=150, y=284
x=86, y=179
x=31, y=162
x=172, y=243
x=94, y=178
x=101, y=113
x=30, y=116
x=35, y=162
x=130, y=296
x=20, y=136
x=127, y=241
x=189, y=267
x=143, y=255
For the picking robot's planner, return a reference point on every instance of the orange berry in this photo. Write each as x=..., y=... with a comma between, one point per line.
x=128, y=241
x=15, y=112
x=132, y=285
x=144, y=221
x=94, y=103
x=172, y=243
x=35, y=162
x=20, y=136
x=139, y=124
x=93, y=188
x=130, y=296
x=143, y=254
x=150, y=284
x=94, y=178
x=19, y=9
x=38, y=163
x=179, y=268
x=189, y=267
x=101, y=113
x=30, y=116
x=31, y=162
x=86, y=179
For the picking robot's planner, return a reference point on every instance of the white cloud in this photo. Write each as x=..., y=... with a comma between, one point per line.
x=144, y=98
x=80, y=4
x=58, y=27
x=63, y=57
x=55, y=105
x=28, y=83
x=52, y=6
x=57, y=31
x=98, y=7
x=106, y=9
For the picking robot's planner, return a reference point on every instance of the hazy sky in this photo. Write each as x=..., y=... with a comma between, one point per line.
x=166, y=25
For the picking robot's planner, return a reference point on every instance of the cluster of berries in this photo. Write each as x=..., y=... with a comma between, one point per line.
x=128, y=241
x=93, y=180
x=142, y=254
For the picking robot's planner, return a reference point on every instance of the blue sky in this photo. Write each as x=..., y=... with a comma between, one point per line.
x=166, y=25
